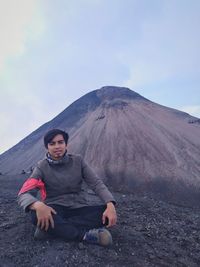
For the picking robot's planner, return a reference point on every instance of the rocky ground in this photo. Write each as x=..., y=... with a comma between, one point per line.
x=150, y=232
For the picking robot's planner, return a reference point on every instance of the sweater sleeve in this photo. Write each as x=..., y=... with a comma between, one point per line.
x=29, y=192
x=96, y=184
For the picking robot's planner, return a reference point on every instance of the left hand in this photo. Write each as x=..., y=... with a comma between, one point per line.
x=110, y=214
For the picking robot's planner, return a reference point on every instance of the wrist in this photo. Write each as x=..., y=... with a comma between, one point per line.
x=35, y=205
x=110, y=204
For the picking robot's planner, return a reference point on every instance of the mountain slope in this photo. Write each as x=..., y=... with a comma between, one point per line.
x=130, y=141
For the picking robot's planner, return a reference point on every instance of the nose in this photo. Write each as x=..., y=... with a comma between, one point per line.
x=56, y=144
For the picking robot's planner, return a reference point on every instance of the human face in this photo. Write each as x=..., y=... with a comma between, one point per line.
x=57, y=147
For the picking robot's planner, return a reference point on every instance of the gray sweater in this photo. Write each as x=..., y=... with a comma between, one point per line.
x=64, y=184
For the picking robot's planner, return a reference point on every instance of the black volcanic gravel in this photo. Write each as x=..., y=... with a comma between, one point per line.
x=149, y=233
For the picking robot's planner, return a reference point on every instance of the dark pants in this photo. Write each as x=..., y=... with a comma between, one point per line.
x=72, y=224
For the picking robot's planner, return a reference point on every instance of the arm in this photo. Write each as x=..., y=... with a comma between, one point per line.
x=28, y=194
x=96, y=184
x=28, y=199
x=102, y=191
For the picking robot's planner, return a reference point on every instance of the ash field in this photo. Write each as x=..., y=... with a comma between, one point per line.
x=150, y=232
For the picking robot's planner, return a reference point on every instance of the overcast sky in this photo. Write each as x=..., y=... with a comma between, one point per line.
x=53, y=52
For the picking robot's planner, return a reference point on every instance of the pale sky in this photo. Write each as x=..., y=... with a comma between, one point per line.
x=54, y=52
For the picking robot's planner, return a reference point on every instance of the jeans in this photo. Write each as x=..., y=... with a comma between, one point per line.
x=72, y=224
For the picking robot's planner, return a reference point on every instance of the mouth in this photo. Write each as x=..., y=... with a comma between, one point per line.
x=58, y=151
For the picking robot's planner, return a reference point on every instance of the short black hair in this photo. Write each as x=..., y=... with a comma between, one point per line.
x=49, y=136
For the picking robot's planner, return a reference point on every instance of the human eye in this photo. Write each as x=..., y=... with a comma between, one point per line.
x=52, y=143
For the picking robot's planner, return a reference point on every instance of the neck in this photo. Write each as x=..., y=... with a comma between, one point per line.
x=55, y=160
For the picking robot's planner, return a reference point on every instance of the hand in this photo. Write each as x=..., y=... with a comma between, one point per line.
x=44, y=215
x=110, y=214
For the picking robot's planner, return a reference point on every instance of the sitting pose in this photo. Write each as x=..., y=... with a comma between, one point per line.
x=58, y=203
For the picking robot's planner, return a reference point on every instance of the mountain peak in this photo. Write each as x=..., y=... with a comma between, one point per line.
x=110, y=92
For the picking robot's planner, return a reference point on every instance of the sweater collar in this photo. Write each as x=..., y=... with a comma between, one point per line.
x=57, y=162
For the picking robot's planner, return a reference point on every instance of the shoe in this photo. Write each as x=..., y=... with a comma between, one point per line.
x=40, y=234
x=100, y=236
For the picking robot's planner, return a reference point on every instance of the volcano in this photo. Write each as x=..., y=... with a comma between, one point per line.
x=130, y=141
x=135, y=145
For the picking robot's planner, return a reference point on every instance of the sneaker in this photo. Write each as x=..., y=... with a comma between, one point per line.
x=40, y=234
x=100, y=236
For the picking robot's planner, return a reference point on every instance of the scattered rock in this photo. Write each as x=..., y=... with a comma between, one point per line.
x=150, y=232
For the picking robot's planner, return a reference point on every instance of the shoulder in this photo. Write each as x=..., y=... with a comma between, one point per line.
x=38, y=171
x=75, y=156
x=42, y=163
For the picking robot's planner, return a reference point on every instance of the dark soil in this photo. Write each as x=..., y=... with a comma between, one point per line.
x=150, y=232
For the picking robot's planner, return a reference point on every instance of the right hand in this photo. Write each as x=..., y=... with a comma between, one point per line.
x=44, y=215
